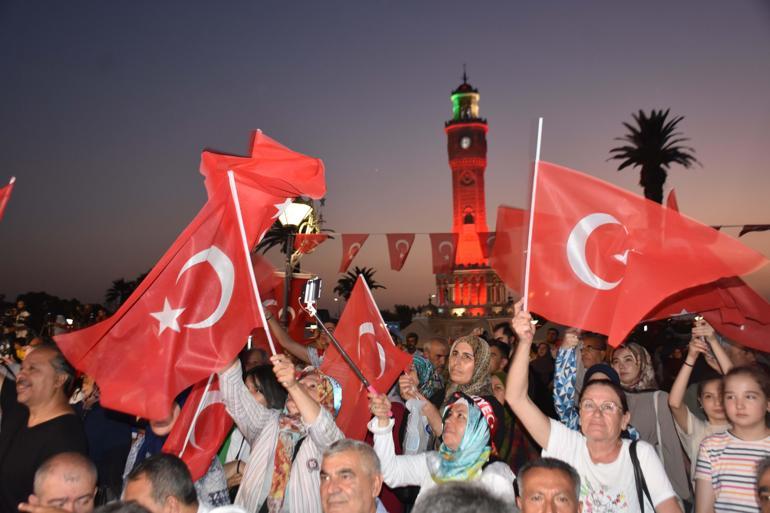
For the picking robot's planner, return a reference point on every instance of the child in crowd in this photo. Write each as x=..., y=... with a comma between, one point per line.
x=726, y=470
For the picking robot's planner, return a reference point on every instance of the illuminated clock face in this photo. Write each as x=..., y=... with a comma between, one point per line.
x=465, y=142
x=467, y=179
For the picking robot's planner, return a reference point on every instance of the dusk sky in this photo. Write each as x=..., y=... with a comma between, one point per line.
x=106, y=106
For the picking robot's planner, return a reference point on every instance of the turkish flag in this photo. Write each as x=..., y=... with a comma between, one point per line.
x=399, y=245
x=487, y=241
x=443, y=248
x=600, y=259
x=363, y=335
x=297, y=315
x=671, y=201
x=351, y=245
x=507, y=256
x=211, y=428
x=188, y=318
x=5, y=195
x=749, y=333
x=306, y=243
x=273, y=172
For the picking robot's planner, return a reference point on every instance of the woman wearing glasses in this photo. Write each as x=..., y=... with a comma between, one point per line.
x=597, y=451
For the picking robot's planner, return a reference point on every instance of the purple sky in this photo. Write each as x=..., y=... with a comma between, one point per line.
x=106, y=107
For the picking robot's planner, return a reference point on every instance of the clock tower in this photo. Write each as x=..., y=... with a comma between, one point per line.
x=472, y=288
x=467, y=148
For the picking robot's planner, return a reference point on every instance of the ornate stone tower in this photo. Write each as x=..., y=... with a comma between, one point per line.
x=472, y=288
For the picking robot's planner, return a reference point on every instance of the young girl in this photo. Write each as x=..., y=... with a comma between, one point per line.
x=691, y=429
x=725, y=474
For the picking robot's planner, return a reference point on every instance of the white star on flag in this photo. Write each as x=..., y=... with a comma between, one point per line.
x=167, y=317
x=282, y=207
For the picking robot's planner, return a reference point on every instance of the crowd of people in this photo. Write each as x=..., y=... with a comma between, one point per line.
x=487, y=422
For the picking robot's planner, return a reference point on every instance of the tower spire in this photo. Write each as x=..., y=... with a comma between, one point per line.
x=465, y=75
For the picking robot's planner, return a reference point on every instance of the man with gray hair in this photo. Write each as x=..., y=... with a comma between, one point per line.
x=64, y=482
x=351, y=478
x=459, y=497
x=548, y=484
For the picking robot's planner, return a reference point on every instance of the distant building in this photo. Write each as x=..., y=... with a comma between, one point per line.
x=472, y=288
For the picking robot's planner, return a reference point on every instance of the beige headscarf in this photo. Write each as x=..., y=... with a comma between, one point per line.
x=646, y=378
x=479, y=383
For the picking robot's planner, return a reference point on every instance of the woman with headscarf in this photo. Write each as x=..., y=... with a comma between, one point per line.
x=650, y=413
x=604, y=461
x=415, y=438
x=468, y=366
x=211, y=488
x=282, y=473
x=468, y=426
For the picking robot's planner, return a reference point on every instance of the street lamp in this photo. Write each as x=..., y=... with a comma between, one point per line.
x=291, y=217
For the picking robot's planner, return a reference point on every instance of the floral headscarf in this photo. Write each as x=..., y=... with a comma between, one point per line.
x=291, y=430
x=479, y=383
x=646, y=378
x=474, y=450
x=429, y=378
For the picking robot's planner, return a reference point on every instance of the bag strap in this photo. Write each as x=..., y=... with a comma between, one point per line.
x=655, y=397
x=641, y=484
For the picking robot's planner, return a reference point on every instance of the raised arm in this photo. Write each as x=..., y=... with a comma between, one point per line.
x=250, y=416
x=564, y=381
x=678, y=389
x=407, y=384
x=535, y=421
x=285, y=374
x=285, y=341
x=703, y=330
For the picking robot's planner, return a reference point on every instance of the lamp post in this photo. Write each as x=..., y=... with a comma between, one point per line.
x=291, y=217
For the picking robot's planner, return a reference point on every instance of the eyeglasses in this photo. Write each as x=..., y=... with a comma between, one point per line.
x=606, y=408
x=591, y=348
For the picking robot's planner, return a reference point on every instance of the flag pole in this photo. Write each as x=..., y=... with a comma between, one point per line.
x=197, y=414
x=247, y=254
x=532, y=214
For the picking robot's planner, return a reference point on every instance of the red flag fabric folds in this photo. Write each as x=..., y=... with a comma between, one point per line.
x=364, y=336
x=306, y=243
x=210, y=430
x=507, y=256
x=187, y=319
x=399, y=245
x=5, y=195
x=272, y=169
x=351, y=245
x=600, y=259
x=671, y=201
x=443, y=248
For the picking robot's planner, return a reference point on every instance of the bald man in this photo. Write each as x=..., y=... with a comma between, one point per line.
x=64, y=482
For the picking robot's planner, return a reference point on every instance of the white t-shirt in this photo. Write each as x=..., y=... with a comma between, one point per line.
x=609, y=487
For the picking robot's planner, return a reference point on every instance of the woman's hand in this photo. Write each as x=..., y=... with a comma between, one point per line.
x=522, y=323
x=702, y=329
x=407, y=384
x=571, y=338
x=284, y=371
x=379, y=405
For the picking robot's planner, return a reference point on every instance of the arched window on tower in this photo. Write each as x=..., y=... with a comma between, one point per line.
x=468, y=218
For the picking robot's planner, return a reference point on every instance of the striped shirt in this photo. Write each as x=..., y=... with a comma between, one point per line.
x=730, y=464
x=259, y=426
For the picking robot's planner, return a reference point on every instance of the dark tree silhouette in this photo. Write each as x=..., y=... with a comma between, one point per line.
x=121, y=289
x=277, y=235
x=654, y=144
x=345, y=284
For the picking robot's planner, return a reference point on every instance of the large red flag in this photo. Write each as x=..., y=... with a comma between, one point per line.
x=507, y=256
x=671, y=201
x=5, y=195
x=351, y=245
x=188, y=318
x=273, y=171
x=443, y=248
x=399, y=245
x=206, y=436
x=364, y=336
x=601, y=260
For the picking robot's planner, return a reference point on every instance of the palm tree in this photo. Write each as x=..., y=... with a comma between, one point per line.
x=119, y=292
x=345, y=284
x=654, y=144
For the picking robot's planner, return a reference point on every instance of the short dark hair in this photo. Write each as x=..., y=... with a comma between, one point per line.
x=607, y=383
x=506, y=327
x=169, y=477
x=60, y=365
x=602, y=339
x=413, y=335
x=459, y=497
x=502, y=346
x=273, y=391
x=122, y=507
x=549, y=464
x=553, y=329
